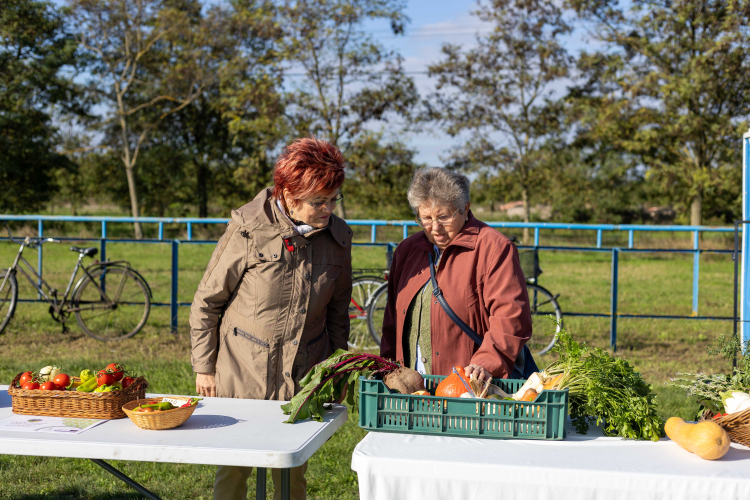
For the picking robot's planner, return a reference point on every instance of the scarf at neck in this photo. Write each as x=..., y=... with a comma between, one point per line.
x=301, y=228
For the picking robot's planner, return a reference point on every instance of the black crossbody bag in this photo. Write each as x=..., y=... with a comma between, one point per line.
x=524, y=365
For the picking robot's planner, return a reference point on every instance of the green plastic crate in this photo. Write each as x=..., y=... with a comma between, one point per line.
x=383, y=411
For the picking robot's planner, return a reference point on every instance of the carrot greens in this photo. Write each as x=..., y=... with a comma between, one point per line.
x=607, y=390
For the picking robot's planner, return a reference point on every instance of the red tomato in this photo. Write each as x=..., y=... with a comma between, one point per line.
x=104, y=378
x=30, y=386
x=61, y=380
x=126, y=382
x=26, y=377
x=115, y=369
x=48, y=386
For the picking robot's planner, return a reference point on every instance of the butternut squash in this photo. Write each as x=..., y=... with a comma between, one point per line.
x=706, y=439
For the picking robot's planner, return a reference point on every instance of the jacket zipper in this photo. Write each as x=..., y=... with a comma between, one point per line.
x=251, y=338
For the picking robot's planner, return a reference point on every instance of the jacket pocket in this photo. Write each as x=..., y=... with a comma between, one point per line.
x=251, y=338
x=242, y=365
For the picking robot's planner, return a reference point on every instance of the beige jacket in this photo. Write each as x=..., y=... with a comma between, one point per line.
x=272, y=303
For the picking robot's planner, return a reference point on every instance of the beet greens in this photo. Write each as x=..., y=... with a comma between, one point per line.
x=329, y=379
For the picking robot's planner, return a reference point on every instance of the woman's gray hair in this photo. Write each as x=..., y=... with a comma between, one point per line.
x=438, y=186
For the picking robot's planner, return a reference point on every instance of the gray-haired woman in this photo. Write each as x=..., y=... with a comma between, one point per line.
x=478, y=271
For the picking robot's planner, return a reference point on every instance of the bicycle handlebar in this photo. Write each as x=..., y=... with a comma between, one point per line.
x=10, y=236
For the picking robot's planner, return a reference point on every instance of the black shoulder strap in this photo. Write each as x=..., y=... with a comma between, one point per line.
x=441, y=300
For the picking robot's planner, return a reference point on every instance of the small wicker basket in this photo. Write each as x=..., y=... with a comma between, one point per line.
x=102, y=405
x=737, y=426
x=159, y=420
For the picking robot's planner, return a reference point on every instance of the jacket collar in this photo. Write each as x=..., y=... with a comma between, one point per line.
x=466, y=238
x=264, y=212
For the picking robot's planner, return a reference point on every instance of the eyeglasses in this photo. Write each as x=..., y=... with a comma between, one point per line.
x=442, y=220
x=321, y=204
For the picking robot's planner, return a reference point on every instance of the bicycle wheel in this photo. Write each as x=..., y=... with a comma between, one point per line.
x=376, y=312
x=546, y=319
x=359, y=333
x=8, y=297
x=120, y=317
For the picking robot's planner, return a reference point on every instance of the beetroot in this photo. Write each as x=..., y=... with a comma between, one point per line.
x=404, y=380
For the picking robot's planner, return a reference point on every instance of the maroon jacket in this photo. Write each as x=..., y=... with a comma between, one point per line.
x=481, y=279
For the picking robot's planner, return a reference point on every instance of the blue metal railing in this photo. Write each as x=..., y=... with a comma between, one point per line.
x=631, y=229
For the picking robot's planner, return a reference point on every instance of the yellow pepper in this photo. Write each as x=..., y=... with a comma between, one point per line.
x=87, y=375
x=87, y=386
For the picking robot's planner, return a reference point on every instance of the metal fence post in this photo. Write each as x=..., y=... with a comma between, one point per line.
x=175, y=274
x=189, y=231
x=406, y=232
x=40, y=228
x=373, y=234
x=696, y=267
x=613, y=300
x=598, y=238
x=103, y=243
x=630, y=238
x=161, y=230
x=536, y=236
x=745, y=248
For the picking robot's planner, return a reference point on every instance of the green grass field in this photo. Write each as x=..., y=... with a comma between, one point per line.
x=649, y=284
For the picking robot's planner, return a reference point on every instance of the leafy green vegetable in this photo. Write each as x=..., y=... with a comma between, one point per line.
x=708, y=388
x=329, y=379
x=606, y=389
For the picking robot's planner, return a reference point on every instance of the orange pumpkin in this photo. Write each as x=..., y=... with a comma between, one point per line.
x=451, y=386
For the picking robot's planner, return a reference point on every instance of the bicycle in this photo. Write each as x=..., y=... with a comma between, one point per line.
x=541, y=301
x=360, y=336
x=116, y=315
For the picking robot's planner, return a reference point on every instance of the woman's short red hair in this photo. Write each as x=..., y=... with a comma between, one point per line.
x=306, y=167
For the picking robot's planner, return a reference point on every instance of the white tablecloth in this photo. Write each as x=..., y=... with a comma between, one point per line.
x=221, y=431
x=405, y=466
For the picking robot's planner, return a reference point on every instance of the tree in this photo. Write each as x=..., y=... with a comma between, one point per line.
x=501, y=91
x=670, y=87
x=223, y=137
x=34, y=52
x=380, y=172
x=146, y=65
x=350, y=80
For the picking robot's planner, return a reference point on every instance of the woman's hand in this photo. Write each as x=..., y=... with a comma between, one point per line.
x=478, y=372
x=205, y=384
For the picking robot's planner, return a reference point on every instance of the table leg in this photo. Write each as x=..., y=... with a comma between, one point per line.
x=119, y=475
x=285, y=487
x=260, y=484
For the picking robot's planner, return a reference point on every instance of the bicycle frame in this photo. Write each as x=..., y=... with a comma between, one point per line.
x=361, y=313
x=51, y=293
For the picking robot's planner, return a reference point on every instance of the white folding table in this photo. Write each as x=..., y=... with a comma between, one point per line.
x=582, y=467
x=221, y=431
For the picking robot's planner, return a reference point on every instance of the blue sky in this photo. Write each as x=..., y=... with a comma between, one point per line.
x=433, y=23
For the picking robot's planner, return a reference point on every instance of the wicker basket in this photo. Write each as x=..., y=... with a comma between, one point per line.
x=159, y=420
x=737, y=426
x=102, y=405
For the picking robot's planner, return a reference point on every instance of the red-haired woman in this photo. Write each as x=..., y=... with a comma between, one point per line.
x=274, y=299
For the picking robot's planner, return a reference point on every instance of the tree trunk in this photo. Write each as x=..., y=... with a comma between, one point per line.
x=341, y=210
x=133, y=200
x=526, y=214
x=202, y=177
x=696, y=210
